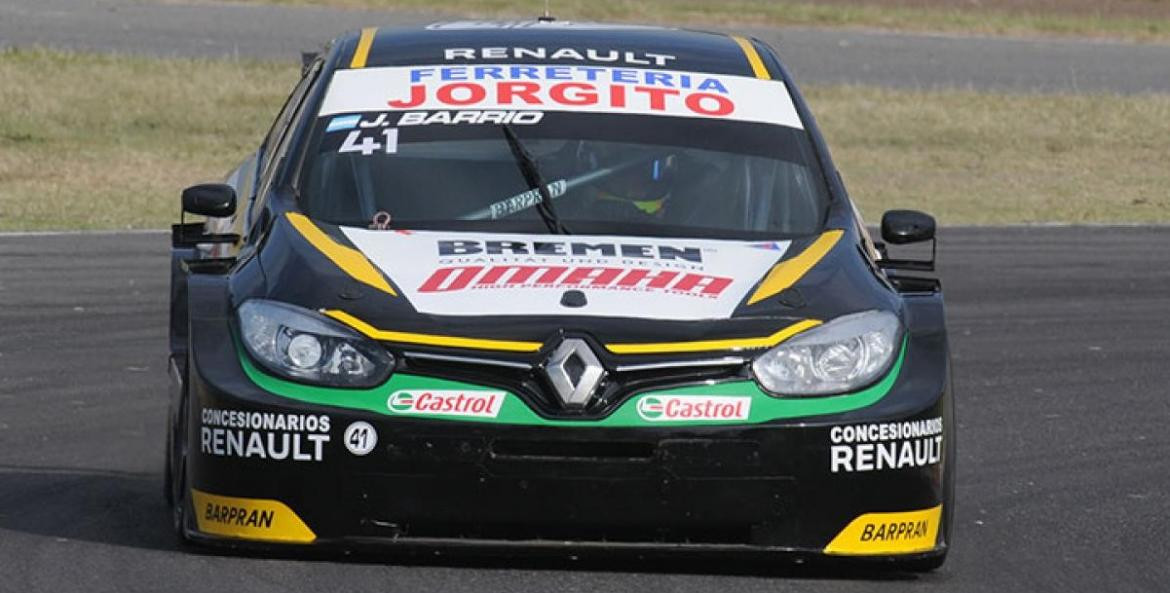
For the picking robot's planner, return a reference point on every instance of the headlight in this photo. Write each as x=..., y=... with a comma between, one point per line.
x=843, y=355
x=300, y=344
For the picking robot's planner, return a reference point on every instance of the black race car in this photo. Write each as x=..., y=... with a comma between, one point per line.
x=550, y=285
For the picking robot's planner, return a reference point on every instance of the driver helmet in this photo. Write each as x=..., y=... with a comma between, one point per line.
x=645, y=178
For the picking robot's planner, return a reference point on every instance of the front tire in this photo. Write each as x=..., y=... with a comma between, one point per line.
x=176, y=467
x=179, y=515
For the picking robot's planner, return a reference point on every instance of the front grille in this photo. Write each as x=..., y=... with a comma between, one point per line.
x=656, y=484
x=602, y=451
x=599, y=532
x=564, y=455
x=572, y=507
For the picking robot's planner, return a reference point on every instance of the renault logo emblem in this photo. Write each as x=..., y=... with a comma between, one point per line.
x=575, y=372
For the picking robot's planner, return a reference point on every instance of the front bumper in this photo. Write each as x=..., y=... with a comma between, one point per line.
x=268, y=470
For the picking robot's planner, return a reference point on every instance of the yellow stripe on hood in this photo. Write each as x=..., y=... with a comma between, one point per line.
x=350, y=260
x=789, y=271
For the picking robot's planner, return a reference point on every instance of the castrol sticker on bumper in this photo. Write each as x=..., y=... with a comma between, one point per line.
x=693, y=408
x=421, y=402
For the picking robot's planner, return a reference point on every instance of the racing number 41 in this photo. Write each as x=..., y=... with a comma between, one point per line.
x=360, y=438
x=368, y=145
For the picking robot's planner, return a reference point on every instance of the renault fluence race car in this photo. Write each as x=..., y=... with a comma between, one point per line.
x=551, y=285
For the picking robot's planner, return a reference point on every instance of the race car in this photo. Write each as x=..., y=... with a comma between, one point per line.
x=550, y=286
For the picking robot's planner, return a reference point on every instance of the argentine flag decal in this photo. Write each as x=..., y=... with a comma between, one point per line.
x=344, y=122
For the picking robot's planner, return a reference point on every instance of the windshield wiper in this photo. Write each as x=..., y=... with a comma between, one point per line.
x=534, y=180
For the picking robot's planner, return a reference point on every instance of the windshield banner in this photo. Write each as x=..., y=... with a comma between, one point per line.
x=456, y=273
x=575, y=88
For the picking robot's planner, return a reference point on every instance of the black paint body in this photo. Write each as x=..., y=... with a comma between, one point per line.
x=738, y=489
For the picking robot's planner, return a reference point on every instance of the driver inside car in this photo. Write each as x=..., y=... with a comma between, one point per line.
x=647, y=186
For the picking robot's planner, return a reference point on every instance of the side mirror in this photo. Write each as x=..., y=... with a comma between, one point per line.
x=907, y=226
x=217, y=200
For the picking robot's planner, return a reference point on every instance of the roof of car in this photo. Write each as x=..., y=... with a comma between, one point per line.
x=540, y=41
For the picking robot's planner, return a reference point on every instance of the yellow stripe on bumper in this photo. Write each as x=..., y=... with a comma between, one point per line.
x=385, y=335
x=712, y=345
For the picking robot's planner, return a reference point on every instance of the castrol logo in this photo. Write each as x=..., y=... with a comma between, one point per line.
x=478, y=404
x=694, y=408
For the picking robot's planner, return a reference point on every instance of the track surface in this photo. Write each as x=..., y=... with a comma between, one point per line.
x=1060, y=341
x=280, y=32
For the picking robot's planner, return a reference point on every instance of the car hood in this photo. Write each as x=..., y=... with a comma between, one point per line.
x=412, y=286
x=478, y=274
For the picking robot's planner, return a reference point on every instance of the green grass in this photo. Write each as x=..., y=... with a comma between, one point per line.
x=102, y=142
x=946, y=16
x=973, y=157
x=89, y=141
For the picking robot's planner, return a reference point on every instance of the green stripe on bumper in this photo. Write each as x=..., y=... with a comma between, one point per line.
x=762, y=407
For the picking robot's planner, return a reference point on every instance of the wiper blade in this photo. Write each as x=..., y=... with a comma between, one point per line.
x=532, y=197
x=534, y=180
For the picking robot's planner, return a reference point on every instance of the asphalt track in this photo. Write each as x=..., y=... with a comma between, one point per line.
x=815, y=55
x=1060, y=342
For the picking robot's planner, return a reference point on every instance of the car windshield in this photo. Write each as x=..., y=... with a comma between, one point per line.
x=632, y=151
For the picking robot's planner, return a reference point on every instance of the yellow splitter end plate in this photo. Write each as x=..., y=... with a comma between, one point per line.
x=888, y=533
x=249, y=518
